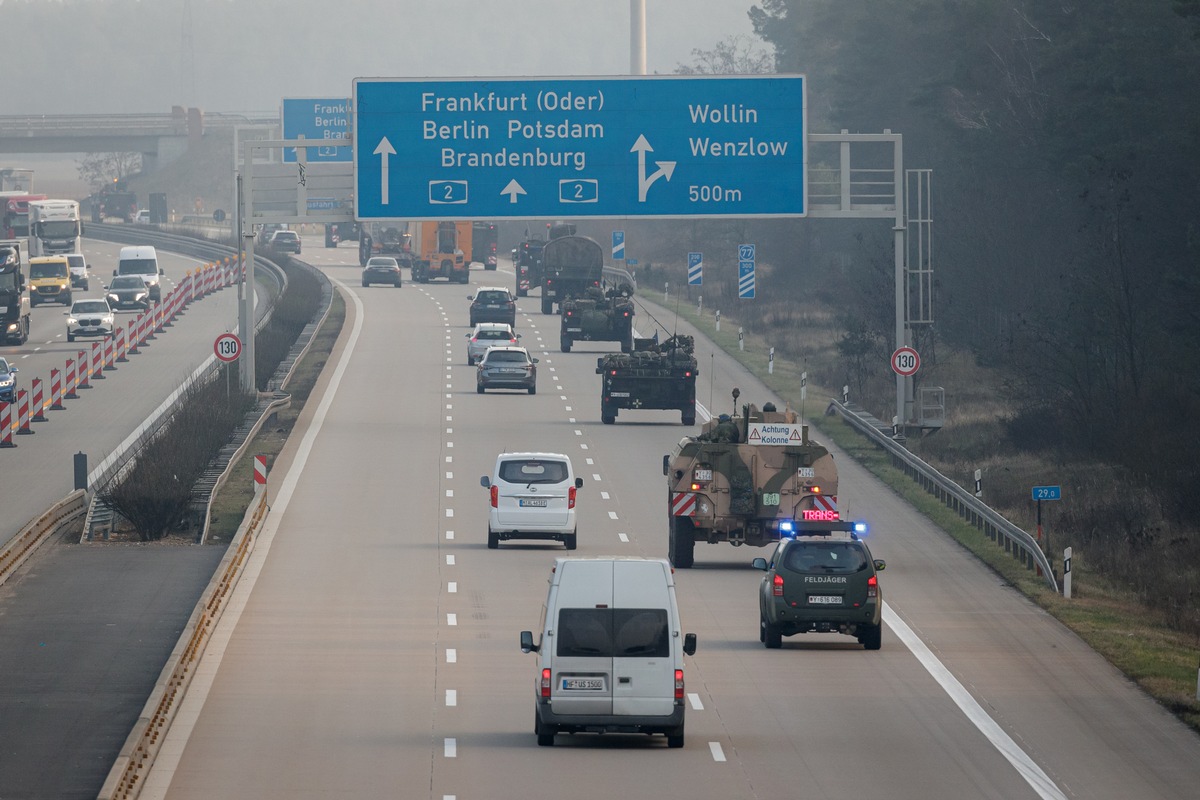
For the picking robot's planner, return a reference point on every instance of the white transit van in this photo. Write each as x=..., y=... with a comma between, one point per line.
x=610, y=656
x=141, y=260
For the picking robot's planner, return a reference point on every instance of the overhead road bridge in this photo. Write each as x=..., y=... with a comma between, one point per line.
x=160, y=138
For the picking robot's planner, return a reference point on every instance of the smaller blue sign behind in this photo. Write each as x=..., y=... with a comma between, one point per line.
x=746, y=271
x=695, y=269
x=325, y=119
x=1047, y=493
x=618, y=248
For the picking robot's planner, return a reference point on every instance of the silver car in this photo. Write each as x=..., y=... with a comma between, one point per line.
x=89, y=318
x=489, y=334
x=506, y=368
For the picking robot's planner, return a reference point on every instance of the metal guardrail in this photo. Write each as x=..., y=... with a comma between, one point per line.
x=1015, y=540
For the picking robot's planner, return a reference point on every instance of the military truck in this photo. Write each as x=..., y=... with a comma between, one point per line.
x=653, y=376
x=598, y=316
x=527, y=264
x=748, y=479
x=14, y=303
x=570, y=266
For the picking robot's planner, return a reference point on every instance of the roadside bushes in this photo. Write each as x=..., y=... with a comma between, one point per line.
x=293, y=311
x=155, y=493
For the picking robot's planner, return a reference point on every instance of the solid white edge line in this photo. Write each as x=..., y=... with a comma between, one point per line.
x=1039, y=781
x=158, y=780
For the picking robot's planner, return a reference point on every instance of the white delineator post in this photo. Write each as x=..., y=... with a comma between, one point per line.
x=1067, y=590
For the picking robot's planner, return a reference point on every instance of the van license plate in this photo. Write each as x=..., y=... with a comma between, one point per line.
x=824, y=600
x=585, y=684
x=533, y=502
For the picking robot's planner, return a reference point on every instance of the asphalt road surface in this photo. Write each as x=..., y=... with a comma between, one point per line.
x=371, y=650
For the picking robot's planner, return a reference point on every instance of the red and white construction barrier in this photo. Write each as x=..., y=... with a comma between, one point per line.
x=260, y=473
x=6, y=425
x=121, y=344
x=72, y=380
x=81, y=371
x=38, y=401
x=56, y=390
x=97, y=361
x=23, y=413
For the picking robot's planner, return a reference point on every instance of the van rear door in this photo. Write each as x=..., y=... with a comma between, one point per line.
x=642, y=622
x=533, y=493
x=582, y=639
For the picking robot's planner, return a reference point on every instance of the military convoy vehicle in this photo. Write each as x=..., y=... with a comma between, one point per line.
x=652, y=376
x=570, y=266
x=598, y=316
x=527, y=264
x=748, y=479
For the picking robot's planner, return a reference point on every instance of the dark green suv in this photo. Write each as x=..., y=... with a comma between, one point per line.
x=820, y=582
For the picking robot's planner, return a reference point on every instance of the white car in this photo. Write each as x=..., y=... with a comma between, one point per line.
x=143, y=217
x=489, y=334
x=532, y=497
x=89, y=318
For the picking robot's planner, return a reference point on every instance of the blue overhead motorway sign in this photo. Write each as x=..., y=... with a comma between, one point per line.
x=324, y=119
x=532, y=148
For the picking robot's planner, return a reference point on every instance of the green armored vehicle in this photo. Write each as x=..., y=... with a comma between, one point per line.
x=748, y=479
x=598, y=316
x=652, y=376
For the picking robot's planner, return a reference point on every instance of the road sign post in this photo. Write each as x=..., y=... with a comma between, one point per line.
x=592, y=147
x=905, y=361
x=746, y=271
x=618, y=245
x=695, y=269
x=1041, y=493
x=228, y=348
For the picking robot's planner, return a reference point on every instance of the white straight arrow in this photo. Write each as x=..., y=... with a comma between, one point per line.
x=512, y=190
x=665, y=168
x=384, y=149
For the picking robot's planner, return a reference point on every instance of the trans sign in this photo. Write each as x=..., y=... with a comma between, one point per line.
x=521, y=148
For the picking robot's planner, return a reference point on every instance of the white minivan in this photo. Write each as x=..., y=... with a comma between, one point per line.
x=141, y=260
x=610, y=655
x=532, y=496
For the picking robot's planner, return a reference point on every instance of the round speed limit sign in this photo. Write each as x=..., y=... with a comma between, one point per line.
x=905, y=361
x=227, y=347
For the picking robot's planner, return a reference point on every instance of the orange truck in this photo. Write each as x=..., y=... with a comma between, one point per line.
x=445, y=249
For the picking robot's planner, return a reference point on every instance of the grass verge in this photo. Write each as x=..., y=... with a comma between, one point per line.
x=1132, y=636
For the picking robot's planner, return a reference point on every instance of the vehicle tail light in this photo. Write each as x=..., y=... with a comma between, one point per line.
x=512, y=341
x=678, y=684
x=872, y=587
x=570, y=313
x=614, y=372
x=545, y=688
x=815, y=489
x=777, y=586
x=495, y=492
x=687, y=373
x=571, y=497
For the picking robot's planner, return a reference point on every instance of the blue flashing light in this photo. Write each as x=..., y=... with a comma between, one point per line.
x=860, y=528
x=787, y=527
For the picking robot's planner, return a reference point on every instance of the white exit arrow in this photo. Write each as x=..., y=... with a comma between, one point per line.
x=384, y=149
x=665, y=168
x=512, y=190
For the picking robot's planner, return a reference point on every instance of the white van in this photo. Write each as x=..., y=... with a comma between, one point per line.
x=611, y=651
x=532, y=496
x=141, y=260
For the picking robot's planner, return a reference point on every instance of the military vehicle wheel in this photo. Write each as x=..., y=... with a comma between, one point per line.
x=547, y=305
x=675, y=738
x=493, y=539
x=770, y=635
x=689, y=419
x=544, y=733
x=23, y=337
x=608, y=419
x=522, y=292
x=872, y=637
x=569, y=541
x=564, y=345
x=681, y=544
x=626, y=346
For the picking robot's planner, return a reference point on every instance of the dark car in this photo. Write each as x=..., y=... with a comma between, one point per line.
x=381, y=269
x=506, y=368
x=493, y=304
x=8, y=382
x=821, y=582
x=285, y=242
x=127, y=291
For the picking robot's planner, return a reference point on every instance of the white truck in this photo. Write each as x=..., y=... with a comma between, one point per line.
x=54, y=227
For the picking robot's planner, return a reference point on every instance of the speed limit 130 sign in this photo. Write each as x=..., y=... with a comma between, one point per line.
x=227, y=347
x=905, y=361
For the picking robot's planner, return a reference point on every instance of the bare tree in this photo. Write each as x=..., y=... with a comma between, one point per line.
x=101, y=169
x=737, y=55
